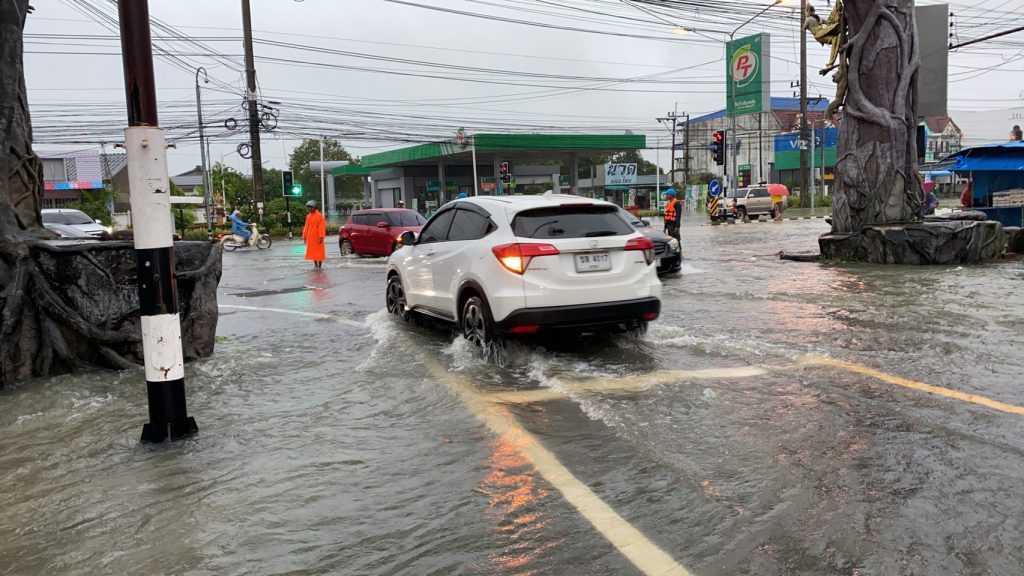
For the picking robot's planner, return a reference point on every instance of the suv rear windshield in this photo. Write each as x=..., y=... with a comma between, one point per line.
x=570, y=222
x=406, y=218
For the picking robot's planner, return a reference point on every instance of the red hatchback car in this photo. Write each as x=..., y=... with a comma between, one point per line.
x=375, y=232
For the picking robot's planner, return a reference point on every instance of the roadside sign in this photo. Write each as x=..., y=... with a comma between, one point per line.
x=714, y=188
x=748, y=75
x=619, y=175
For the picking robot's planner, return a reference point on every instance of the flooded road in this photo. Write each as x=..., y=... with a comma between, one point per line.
x=779, y=418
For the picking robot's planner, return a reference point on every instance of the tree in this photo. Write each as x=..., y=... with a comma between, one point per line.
x=96, y=203
x=643, y=167
x=237, y=189
x=63, y=307
x=309, y=151
x=877, y=156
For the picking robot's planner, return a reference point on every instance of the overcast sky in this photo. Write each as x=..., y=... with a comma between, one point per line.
x=76, y=91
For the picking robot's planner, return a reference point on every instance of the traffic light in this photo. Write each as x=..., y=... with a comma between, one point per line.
x=718, y=147
x=288, y=186
x=506, y=173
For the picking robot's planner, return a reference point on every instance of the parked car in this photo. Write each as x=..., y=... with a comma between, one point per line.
x=508, y=265
x=754, y=202
x=66, y=231
x=376, y=232
x=75, y=219
x=667, y=251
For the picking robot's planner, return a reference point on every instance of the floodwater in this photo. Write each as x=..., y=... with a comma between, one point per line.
x=772, y=421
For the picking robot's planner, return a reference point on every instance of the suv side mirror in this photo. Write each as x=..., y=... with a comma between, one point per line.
x=408, y=238
x=383, y=225
x=99, y=222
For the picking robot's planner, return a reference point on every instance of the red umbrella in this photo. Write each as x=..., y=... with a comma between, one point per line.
x=778, y=190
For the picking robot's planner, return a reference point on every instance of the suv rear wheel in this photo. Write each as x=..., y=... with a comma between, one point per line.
x=477, y=325
x=741, y=213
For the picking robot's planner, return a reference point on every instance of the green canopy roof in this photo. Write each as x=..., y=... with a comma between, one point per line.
x=504, y=143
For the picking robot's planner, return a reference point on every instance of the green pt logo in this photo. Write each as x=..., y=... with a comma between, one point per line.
x=744, y=66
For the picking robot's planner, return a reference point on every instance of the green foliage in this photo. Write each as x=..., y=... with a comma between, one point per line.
x=701, y=178
x=535, y=189
x=96, y=203
x=309, y=151
x=643, y=167
x=183, y=218
x=237, y=189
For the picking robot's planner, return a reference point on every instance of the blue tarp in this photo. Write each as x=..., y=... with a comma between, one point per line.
x=1000, y=163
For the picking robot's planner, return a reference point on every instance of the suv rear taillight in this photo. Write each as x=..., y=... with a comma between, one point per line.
x=642, y=243
x=516, y=257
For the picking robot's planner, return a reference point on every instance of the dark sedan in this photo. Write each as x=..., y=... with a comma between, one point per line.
x=666, y=248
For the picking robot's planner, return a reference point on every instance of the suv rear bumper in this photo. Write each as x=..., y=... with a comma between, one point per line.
x=607, y=316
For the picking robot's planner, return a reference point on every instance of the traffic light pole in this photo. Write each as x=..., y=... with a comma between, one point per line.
x=288, y=210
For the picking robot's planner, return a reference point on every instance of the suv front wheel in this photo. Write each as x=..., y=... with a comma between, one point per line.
x=395, y=298
x=477, y=325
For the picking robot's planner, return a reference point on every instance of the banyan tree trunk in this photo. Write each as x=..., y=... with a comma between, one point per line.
x=876, y=179
x=68, y=305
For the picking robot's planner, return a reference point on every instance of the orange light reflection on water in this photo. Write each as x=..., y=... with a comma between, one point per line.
x=514, y=500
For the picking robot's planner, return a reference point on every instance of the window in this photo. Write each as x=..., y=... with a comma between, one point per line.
x=570, y=222
x=405, y=218
x=361, y=219
x=760, y=193
x=437, y=229
x=374, y=217
x=469, y=225
x=53, y=169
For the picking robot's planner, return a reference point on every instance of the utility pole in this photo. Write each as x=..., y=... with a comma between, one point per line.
x=803, y=104
x=672, y=118
x=686, y=151
x=150, y=193
x=254, y=113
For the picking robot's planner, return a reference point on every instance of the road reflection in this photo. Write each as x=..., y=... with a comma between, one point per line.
x=515, y=508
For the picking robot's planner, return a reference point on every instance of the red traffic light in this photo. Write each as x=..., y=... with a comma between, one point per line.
x=718, y=136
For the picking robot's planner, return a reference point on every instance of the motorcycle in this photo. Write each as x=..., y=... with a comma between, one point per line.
x=234, y=241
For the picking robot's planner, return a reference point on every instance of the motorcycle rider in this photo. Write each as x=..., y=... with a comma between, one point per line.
x=240, y=227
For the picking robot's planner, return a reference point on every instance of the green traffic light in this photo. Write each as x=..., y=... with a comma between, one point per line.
x=297, y=190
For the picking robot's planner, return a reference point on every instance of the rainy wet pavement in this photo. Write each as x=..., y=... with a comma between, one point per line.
x=777, y=419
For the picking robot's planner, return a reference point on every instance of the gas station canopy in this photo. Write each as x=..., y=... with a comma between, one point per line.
x=521, y=146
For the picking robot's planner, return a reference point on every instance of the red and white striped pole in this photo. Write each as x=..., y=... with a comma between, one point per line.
x=153, y=227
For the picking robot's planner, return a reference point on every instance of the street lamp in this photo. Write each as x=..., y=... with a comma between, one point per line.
x=207, y=180
x=732, y=117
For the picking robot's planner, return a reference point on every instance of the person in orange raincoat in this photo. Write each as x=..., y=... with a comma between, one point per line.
x=313, y=234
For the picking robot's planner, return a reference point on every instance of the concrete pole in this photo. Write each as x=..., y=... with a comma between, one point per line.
x=476, y=181
x=810, y=183
x=323, y=182
x=150, y=193
x=574, y=174
x=254, y=113
x=803, y=101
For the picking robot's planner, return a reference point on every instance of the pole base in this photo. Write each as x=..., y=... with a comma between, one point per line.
x=171, y=431
x=168, y=417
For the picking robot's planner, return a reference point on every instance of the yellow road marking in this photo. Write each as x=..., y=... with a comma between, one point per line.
x=644, y=554
x=906, y=383
x=624, y=384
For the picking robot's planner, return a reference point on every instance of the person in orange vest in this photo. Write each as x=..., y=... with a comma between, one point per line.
x=673, y=212
x=313, y=234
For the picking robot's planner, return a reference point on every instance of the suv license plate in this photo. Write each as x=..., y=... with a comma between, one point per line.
x=593, y=262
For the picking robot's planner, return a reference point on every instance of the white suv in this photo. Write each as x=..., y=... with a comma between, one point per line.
x=504, y=265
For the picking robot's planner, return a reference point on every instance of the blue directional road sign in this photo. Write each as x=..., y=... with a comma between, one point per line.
x=714, y=188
